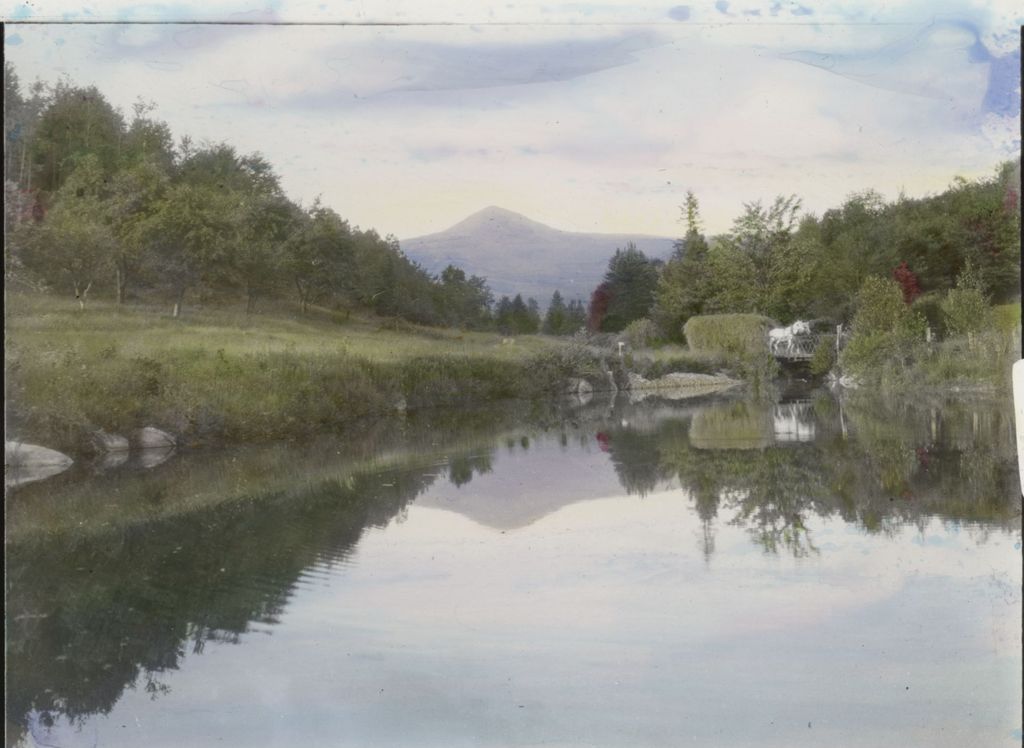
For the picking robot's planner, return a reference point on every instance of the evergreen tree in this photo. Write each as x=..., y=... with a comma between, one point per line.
x=575, y=317
x=533, y=315
x=556, y=319
x=630, y=282
x=503, y=316
x=683, y=285
x=524, y=317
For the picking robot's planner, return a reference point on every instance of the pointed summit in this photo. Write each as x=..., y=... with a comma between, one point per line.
x=518, y=255
x=495, y=218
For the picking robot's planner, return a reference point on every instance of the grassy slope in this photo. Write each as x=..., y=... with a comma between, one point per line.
x=221, y=374
x=52, y=324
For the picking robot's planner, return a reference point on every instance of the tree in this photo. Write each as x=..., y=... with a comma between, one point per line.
x=503, y=316
x=683, y=285
x=75, y=123
x=885, y=330
x=190, y=234
x=524, y=317
x=463, y=302
x=631, y=282
x=575, y=317
x=21, y=121
x=135, y=197
x=533, y=312
x=319, y=256
x=903, y=275
x=263, y=224
x=965, y=309
x=599, y=301
x=73, y=246
x=757, y=267
x=555, y=321
x=148, y=139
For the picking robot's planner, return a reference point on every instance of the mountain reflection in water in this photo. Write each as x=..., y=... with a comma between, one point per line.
x=223, y=544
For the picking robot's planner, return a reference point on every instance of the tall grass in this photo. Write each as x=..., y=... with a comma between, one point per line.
x=742, y=339
x=217, y=375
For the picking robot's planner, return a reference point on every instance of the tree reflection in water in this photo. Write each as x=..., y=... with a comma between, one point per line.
x=90, y=614
x=879, y=464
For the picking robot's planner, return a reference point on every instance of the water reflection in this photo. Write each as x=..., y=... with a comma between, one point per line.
x=96, y=608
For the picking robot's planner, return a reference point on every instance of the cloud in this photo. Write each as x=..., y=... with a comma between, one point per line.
x=411, y=128
x=393, y=66
x=156, y=41
x=927, y=63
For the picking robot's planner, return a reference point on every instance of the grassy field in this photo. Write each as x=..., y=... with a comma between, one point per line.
x=55, y=324
x=219, y=374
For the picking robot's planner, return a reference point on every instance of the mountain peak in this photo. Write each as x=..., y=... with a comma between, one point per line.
x=494, y=216
x=519, y=255
x=496, y=211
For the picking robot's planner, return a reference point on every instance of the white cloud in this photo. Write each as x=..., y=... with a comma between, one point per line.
x=411, y=128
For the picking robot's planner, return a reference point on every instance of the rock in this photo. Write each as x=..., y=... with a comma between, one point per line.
x=612, y=387
x=153, y=456
x=153, y=438
x=582, y=398
x=106, y=443
x=677, y=385
x=25, y=463
x=19, y=454
x=676, y=380
x=578, y=386
x=112, y=461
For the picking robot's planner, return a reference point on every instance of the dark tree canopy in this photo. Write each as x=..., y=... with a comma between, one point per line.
x=630, y=283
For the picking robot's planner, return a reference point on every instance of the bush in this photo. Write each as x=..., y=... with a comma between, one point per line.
x=729, y=334
x=1006, y=317
x=742, y=339
x=888, y=337
x=880, y=306
x=824, y=357
x=639, y=333
x=966, y=310
x=929, y=306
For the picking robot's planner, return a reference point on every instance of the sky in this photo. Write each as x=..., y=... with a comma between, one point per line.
x=584, y=116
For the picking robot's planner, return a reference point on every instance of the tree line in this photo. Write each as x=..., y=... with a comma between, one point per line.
x=97, y=201
x=785, y=264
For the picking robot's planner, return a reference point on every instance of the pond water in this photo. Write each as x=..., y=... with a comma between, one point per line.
x=723, y=572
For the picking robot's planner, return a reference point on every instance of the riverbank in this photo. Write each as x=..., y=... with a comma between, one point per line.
x=220, y=376
x=217, y=376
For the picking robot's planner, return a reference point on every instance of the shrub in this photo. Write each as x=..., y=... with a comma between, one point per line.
x=880, y=306
x=1006, y=317
x=742, y=339
x=966, y=311
x=824, y=357
x=929, y=306
x=729, y=334
x=640, y=332
x=887, y=334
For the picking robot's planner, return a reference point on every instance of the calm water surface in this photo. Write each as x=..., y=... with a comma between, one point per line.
x=721, y=573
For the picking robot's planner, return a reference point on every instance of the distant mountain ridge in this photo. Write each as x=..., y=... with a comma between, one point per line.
x=519, y=255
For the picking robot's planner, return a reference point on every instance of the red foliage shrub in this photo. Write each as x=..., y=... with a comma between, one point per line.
x=903, y=275
x=599, y=301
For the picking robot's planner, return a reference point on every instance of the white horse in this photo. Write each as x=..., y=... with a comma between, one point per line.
x=782, y=337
